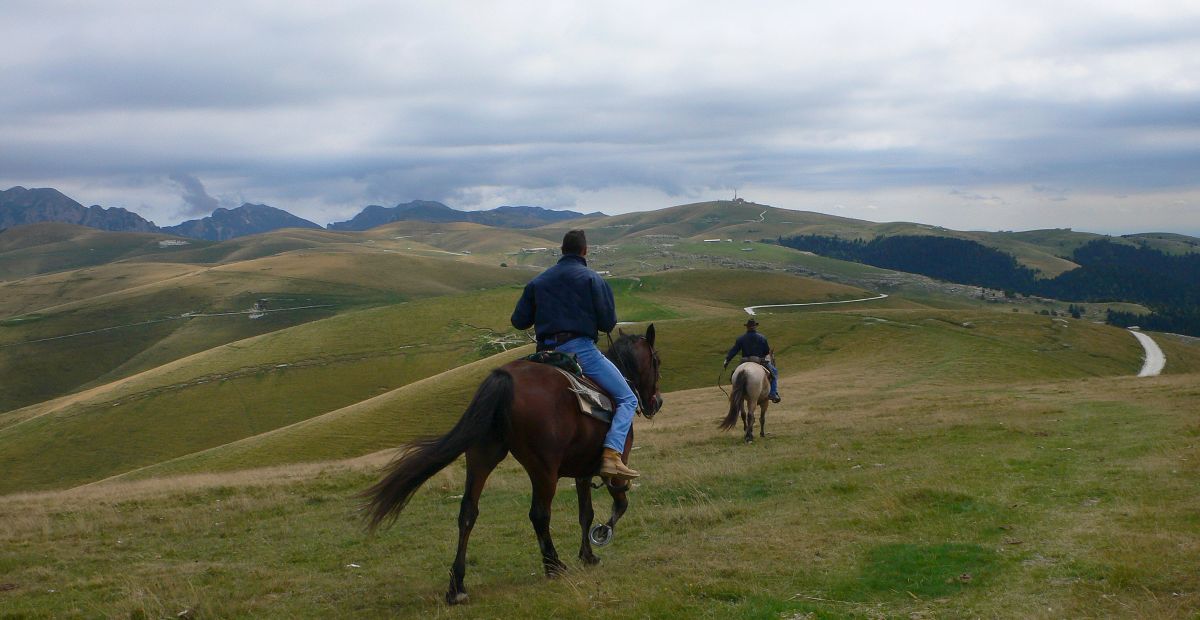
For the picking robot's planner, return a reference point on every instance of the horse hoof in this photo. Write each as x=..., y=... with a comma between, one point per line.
x=749, y=440
x=601, y=534
x=591, y=560
x=456, y=598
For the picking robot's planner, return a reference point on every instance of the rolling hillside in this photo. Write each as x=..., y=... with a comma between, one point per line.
x=254, y=385
x=1041, y=250
x=50, y=247
x=73, y=329
x=350, y=384
x=935, y=454
x=923, y=462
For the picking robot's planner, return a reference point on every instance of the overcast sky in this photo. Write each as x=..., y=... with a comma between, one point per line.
x=970, y=115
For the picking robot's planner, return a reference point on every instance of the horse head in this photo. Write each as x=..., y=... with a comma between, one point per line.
x=635, y=356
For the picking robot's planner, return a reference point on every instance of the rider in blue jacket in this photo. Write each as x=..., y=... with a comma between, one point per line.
x=754, y=344
x=568, y=305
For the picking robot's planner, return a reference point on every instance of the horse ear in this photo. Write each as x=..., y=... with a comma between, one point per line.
x=650, y=334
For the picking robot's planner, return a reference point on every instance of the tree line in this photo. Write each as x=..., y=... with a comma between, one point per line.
x=1169, y=285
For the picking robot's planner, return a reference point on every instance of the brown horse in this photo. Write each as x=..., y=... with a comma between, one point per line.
x=751, y=383
x=526, y=409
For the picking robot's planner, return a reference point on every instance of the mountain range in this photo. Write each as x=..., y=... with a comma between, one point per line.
x=20, y=206
x=429, y=211
x=248, y=219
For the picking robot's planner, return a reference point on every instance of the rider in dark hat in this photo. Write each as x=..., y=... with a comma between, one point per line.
x=568, y=305
x=753, y=347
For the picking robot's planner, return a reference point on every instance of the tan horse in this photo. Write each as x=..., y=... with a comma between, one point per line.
x=751, y=387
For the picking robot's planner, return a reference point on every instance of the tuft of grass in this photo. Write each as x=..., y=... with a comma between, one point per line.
x=931, y=570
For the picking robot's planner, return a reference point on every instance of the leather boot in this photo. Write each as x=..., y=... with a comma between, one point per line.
x=612, y=466
x=775, y=398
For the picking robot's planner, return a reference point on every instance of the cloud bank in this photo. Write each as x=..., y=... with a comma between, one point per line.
x=992, y=115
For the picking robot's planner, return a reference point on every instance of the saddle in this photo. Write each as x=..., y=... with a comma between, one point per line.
x=754, y=359
x=593, y=401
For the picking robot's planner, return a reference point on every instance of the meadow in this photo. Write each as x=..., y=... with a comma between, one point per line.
x=936, y=488
x=934, y=455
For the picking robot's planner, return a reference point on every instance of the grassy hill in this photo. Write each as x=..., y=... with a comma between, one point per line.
x=935, y=455
x=1042, y=250
x=924, y=462
x=52, y=246
x=159, y=314
x=254, y=385
x=1169, y=243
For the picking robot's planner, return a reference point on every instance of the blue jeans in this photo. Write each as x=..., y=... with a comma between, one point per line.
x=599, y=369
x=774, y=379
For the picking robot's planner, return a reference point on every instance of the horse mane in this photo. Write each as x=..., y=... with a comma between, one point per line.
x=624, y=356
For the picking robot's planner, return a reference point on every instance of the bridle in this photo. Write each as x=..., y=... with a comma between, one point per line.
x=623, y=366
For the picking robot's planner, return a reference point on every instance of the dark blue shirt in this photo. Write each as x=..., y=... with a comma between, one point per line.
x=751, y=344
x=567, y=297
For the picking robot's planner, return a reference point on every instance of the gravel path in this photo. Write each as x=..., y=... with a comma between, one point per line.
x=750, y=309
x=1155, y=359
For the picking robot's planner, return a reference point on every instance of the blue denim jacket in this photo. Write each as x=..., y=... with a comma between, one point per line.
x=568, y=297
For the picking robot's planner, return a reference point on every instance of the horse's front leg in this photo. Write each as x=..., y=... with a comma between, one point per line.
x=583, y=488
x=620, y=505
x=544, y=484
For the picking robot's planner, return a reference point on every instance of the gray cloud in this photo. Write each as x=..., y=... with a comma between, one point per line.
x=324, y=109
x=194, y=195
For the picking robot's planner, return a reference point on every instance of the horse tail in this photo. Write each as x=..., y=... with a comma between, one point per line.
x=737, y=399
x=486, y=416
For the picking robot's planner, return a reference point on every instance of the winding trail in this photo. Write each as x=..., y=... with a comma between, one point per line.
x=1156, y=360
x=750, y=309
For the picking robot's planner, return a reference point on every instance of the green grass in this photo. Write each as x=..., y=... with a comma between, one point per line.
x=1046, y=499
x=933, y=457
x=241, y=389
x=925, y=571
x=311, y=378
x=146, y=312
x=938, y=353
x=51, y=246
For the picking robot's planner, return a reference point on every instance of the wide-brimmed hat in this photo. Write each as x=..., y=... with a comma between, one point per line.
x=751, y=323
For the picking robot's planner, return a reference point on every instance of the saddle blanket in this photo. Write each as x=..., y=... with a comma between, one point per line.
x=592, y=402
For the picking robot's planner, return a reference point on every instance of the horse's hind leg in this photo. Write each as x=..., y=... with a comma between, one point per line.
x=762, y=420
x=544, y=483
x=481, y=460
x=748, y=422
x=583, y=488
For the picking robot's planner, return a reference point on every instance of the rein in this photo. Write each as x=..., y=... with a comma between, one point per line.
x=719, y=375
